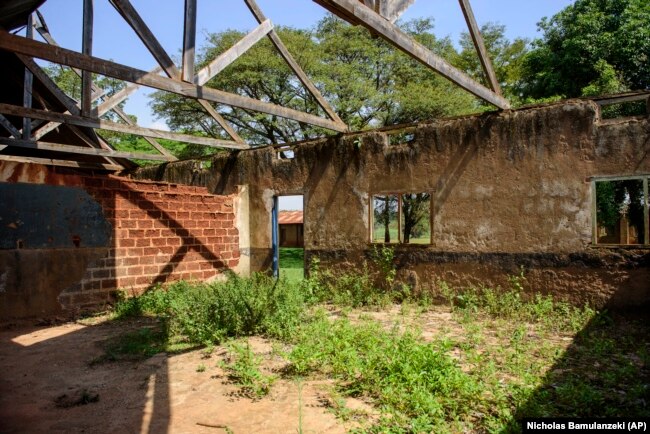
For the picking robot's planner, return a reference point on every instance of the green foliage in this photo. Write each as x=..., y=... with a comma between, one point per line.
x=512, y=304
x=292, y=263
x=209, y=313
x=368, y=82
x=507, y=59
x=592, y=46
x=416, y=384
x=616, y=199
x=243, y=368
x=368, y=285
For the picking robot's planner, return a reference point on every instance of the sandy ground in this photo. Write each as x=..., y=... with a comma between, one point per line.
x=46, y=371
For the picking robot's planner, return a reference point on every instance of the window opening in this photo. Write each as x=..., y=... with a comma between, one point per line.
x=400, y=138
x=285, y=153
x=622, y=209
x=416, y=218
x=386, y=219
x=401, y=218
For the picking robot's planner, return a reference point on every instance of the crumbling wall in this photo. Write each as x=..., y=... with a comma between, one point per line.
x=510, y=189
x=70, y=240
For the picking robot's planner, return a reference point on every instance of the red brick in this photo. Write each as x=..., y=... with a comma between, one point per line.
x=158, y=242
x=109, y=283
x=131, y=261
x=137, y=214
x=126, y=281
x=147, y=260
x=151, y=269
x=135, y=271
x=135, y=251
x=136, y=233
x=143, y=280
x=145, y=224
x=125, y=242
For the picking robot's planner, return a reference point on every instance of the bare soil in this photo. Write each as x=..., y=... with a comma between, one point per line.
x=51, y=382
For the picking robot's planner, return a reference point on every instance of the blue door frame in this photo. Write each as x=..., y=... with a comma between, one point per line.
x=275, y=237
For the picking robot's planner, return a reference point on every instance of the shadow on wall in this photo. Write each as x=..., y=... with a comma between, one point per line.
x=77, y=391
x=74, y=243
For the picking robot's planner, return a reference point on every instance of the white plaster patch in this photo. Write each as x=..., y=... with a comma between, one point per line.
x=555, y=188
x=483, y=192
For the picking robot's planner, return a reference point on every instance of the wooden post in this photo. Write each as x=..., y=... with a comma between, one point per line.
x=189, y=40
x=87, y=49
x=27, y=87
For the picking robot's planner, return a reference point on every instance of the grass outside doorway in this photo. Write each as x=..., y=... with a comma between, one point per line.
x=292, y=263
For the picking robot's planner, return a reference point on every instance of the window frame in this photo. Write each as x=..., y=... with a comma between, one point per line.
x=400, y=236
x=643, y=177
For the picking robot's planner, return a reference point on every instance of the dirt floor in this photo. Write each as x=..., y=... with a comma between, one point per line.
x=51, y=383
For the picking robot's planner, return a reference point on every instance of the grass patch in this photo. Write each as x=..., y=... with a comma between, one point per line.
x=209, y=313
x=418, y=386
x=502, y=355
x=243, y=368
x=292, y=264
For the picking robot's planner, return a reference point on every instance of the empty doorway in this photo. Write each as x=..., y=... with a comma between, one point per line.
x=288, y=239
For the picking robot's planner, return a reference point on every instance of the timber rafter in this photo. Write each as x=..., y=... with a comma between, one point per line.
x=377, y=15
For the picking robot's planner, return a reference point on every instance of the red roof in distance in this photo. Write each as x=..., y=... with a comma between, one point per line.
x=290, y=218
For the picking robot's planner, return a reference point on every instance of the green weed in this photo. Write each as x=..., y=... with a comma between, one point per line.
x=243, y=368
x=416, y=383
x=209, y=313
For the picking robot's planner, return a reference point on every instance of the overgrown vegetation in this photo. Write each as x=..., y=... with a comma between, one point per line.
x=209, y=313
x=500, y=357
x=243, y=368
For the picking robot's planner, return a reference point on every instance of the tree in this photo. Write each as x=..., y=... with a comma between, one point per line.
x=368, y=82
x=385, y=211
x=589, y=44
x=507, y=58
x=415, y=214
x=260, y=74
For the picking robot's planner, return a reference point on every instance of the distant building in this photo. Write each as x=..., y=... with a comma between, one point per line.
x=291, y=229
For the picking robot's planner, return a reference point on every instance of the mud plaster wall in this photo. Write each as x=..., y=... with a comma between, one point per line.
x=510, y=189
x=70, y=240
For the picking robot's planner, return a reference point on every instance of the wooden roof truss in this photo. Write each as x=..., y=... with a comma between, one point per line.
x=377, y=15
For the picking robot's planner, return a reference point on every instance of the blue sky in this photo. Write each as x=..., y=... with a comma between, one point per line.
x=113, y=39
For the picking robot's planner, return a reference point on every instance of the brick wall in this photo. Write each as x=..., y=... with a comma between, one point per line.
x=162, y=233
x=156, y=232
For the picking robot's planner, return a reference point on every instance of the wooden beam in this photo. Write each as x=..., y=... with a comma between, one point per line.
x=147, y=37
x=286, y=55
x=10, y=127
x=64, y=163
x=133, y=18
x=619, y=99
x=112, y=126
x=87, y=49
x=115, y=100
x=479, y=43
x=233, y=53
x=394, y=35
x=81, y=150
x=111, y=69
x=67, y=102
x=189, y=40
x=151, y=141
x=28, y=85
x=41, y=27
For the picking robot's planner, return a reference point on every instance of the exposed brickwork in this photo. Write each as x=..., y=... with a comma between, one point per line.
x=162, y=232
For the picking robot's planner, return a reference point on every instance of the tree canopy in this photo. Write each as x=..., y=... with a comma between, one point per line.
x=590, y=47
